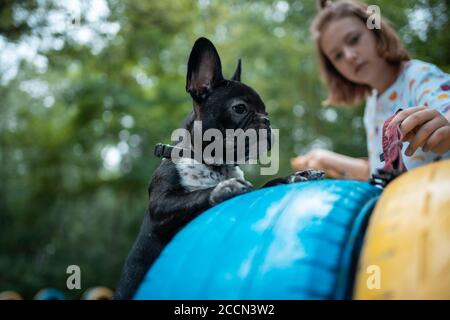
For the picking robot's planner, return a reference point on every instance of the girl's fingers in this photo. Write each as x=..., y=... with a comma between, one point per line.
x=402, y=115
x=318, y=163
x=423, y=133
x=314, y=163
x=301, y=162
x=298, y=163
x=409, y=136
x=333, y=174
x=439, y=141
x=294, y=163
x=417, y=119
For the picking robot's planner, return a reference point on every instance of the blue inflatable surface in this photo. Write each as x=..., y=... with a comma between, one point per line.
x=50, y=294
x=297, y=241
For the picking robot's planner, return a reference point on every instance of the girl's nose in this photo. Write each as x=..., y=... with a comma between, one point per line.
x=350, y=54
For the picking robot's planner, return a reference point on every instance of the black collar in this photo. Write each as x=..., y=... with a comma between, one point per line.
x=164, y=150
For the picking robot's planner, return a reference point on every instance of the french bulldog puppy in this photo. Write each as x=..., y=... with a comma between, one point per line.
x=180, y=190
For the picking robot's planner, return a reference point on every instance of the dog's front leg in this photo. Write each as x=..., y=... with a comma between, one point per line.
x=144, y=252
x=175, y=210
x=168, y=212
x=299, y=176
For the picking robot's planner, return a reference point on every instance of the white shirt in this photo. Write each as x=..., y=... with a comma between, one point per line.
x=419, y=84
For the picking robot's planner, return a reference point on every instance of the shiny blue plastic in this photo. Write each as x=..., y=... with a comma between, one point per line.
x=50, y=294
x=298, y=241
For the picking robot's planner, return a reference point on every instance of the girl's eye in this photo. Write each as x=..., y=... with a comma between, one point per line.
x=239, y=108
x=354, y=40
x=338, y=56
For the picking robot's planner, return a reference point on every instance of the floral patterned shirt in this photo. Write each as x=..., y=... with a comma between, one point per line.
x=419, y=84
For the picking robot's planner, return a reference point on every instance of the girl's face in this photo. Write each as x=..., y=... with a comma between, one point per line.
x=351, y=47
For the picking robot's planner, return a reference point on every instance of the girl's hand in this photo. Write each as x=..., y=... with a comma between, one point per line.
x=317, y=159
x=423, y=127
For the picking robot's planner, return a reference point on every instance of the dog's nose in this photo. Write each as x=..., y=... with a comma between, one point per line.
x=265, y=120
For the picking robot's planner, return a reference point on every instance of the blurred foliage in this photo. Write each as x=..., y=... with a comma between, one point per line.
x=79, y=118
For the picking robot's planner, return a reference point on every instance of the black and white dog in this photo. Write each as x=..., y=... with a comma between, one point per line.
x=181, y=190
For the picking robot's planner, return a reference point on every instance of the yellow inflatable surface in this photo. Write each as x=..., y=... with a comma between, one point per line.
x=98, y=293
x=406, y=253
x=10, y=295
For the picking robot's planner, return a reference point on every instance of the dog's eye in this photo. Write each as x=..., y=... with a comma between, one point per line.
x=240, y=108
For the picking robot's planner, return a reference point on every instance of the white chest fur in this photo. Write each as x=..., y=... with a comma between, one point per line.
x=195, y=175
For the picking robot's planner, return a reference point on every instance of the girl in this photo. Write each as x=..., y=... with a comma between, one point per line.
x=360, y=63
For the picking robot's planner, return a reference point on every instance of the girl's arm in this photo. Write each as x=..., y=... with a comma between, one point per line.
x=335, y=165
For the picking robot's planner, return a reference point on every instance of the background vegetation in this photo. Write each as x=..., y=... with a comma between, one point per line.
x=88, y=87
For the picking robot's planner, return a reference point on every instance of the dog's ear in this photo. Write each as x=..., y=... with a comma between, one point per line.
x=204, y=70
x=237, y=73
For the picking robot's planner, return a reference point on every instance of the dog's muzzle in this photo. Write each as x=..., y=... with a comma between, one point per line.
x=264, y=123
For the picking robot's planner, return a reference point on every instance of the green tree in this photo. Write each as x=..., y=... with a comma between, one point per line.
x=83, y=104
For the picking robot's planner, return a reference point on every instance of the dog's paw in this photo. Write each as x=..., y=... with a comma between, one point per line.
x=305, y=175
x=228, y=189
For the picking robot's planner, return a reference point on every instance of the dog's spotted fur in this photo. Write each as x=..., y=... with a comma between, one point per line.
x=196, y=176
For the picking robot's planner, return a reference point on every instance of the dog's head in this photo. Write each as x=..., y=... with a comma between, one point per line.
x=219, y=103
